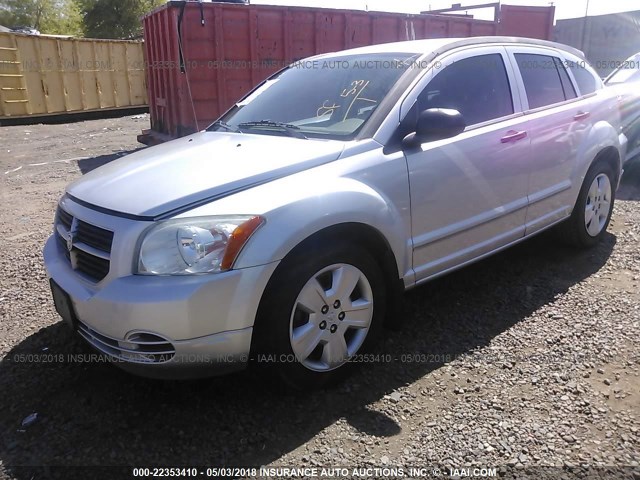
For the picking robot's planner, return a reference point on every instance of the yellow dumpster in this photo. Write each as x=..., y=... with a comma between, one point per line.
x=52, y=75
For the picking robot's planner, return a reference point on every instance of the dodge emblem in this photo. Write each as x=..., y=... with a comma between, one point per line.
x=70, y=241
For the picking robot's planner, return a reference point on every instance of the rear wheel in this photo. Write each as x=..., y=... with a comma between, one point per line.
x=319, y=312
x=592, y=212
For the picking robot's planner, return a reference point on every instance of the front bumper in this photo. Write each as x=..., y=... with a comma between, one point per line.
x=216, y=354
x=165, y=326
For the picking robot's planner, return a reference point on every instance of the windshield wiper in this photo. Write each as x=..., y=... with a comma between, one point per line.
x=226, y=126
x=291, y=130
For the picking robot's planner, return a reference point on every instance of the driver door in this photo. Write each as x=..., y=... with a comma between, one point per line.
x=469, y=192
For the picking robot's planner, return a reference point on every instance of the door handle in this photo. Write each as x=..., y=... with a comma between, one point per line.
x=513, y=136
x=581, y=115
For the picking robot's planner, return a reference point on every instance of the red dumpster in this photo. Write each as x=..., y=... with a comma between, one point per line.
x=202, y=57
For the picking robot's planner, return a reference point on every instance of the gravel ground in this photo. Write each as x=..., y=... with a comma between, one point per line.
x=526, y=362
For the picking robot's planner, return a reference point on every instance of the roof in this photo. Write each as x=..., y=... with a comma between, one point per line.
x=437, y=46
x=4, y=29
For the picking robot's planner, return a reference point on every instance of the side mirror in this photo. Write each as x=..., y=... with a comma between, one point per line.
x=435, y=124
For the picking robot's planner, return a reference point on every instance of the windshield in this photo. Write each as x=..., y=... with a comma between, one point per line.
x=629, y=71
x=325, y=98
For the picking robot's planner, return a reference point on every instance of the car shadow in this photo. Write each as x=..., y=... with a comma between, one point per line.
x=94, y=414
x=87, y=164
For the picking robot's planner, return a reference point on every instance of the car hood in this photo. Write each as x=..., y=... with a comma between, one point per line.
x=196, y=169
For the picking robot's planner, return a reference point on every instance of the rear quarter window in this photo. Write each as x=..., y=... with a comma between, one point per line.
x=587, y=82
x=567, y=86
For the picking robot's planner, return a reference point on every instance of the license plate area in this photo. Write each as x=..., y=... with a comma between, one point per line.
x=63, y=304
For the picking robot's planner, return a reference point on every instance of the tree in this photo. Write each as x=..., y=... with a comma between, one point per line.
x=67, y=21
x=115, y=18
x=60, y=17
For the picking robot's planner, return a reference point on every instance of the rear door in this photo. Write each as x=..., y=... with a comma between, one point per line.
x=469, y=192
x=559, y=121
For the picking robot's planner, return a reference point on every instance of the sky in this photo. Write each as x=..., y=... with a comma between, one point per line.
x=564, y=8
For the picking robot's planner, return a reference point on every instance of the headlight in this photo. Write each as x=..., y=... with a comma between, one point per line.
x=195, y=245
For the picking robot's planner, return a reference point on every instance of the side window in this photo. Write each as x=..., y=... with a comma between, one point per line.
x=542, y=80
x=478, y=87
x=567, y=86
x=585, y=80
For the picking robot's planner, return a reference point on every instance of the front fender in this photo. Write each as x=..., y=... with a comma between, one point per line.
x=347, y=201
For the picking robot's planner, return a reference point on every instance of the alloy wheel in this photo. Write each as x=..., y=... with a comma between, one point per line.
x=598, y=205
x=331, y=317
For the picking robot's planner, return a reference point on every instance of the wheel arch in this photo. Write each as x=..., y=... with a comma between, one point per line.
x=348, y=233
x=602, y=144
x=611, y=156
x=354, y=233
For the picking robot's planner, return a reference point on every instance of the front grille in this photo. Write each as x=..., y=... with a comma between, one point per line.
x=137, y=348
x=90, y=252
x=65, y=218
x=91, y=265
x=63, y=246
x=93, y=236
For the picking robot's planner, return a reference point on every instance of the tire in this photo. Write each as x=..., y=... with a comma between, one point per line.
x=308, y=329
x=592, y=212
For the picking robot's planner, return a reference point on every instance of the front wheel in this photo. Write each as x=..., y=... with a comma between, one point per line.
x=592, y=212
x=319, y=313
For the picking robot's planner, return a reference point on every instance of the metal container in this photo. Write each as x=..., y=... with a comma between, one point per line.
x=526, y=21
x=203, y=57
x=49, y=75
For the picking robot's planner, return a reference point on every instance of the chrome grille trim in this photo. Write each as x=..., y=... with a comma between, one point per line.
x=156, y=351
x=91, y=250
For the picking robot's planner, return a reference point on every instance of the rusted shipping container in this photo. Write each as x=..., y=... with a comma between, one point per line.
x=526, y=21
x=203, y=57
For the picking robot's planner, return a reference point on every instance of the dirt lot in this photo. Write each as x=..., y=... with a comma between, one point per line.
x=527, y=362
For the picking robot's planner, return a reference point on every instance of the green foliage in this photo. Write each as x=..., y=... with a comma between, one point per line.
x=93, y=18
x=115, y=18
x=60, y=17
